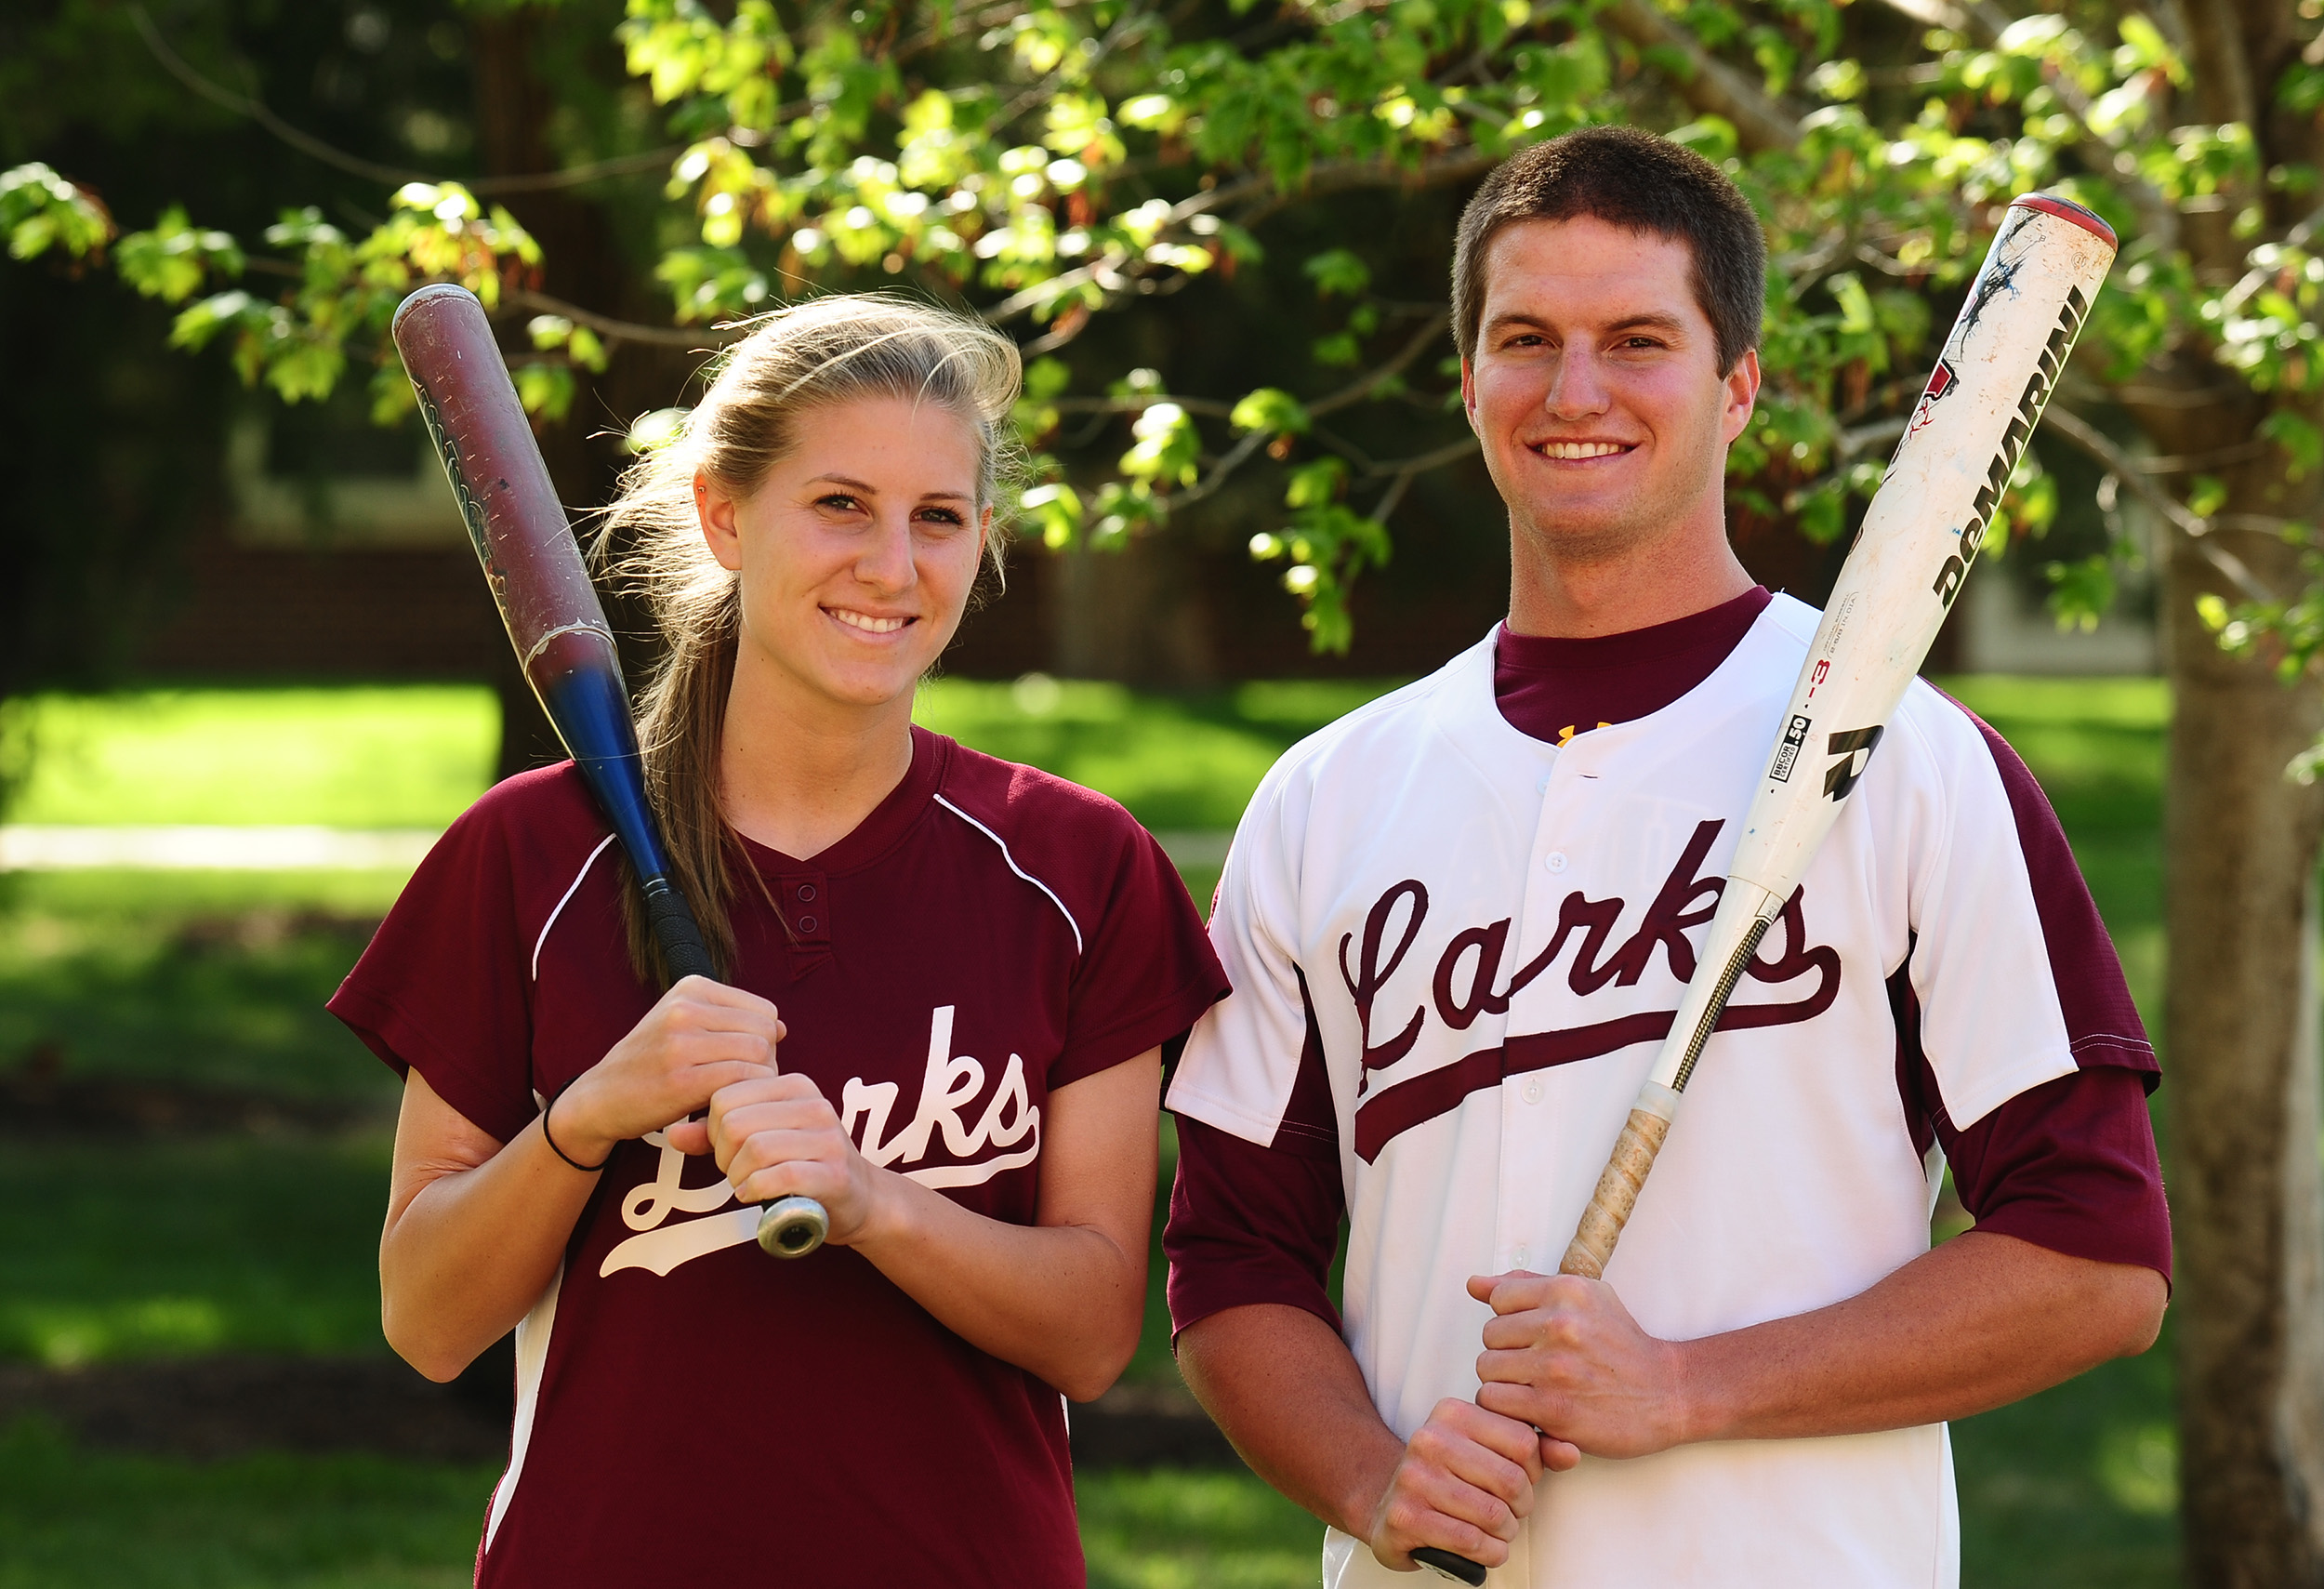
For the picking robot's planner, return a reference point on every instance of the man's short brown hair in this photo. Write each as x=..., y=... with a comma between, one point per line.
x=1629, y=179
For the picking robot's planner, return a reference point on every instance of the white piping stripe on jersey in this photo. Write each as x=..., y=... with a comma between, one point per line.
x=564, y=902
x=532, y=1332
x=1029, y=876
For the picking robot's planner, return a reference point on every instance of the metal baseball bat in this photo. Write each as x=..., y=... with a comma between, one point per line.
x=1921, y=534
x=555, y=621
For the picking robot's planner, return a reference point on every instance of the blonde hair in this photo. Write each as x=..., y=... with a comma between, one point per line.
x=829, y=350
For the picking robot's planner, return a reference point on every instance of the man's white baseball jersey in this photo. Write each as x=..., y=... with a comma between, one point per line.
x=1490, y=934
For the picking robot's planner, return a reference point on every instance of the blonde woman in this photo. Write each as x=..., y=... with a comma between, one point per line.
x=948, y=981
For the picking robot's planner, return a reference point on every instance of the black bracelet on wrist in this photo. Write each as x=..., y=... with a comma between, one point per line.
x=585, y=1169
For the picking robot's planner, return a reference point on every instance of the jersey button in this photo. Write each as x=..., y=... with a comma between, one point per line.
x=805, y=891
x=807, y=923
x=1521, y=1255
x=1533, y=1091
x=1554, y=860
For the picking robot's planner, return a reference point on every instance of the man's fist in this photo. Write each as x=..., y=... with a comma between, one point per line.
x=1564, y=1356
x=1465, y=1483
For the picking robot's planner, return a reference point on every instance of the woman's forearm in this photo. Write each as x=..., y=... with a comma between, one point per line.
x=1063, y=1302
x=469, y=1245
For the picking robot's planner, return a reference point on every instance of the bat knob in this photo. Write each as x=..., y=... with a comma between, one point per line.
x=1444, y=1564
x=792, y=1227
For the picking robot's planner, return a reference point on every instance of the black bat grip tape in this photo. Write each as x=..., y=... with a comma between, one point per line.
x=788, y=1228
x=673, y=923
x=1448, y=1564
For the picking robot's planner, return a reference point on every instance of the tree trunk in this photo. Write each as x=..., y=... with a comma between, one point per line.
x=2247, y=1187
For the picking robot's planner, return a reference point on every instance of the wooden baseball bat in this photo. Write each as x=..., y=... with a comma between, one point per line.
x=555, y=621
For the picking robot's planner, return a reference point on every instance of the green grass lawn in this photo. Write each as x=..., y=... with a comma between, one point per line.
x=169, y=1248
x=401, y=757
x=73, y=1519
x=415, y=757
x=164, y=1248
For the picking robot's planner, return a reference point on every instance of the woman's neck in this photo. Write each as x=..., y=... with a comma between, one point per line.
x=799, y=771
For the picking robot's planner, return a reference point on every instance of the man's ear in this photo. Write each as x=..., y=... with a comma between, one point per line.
x=1742, y=384
x=1469, y=393
x=715, y=511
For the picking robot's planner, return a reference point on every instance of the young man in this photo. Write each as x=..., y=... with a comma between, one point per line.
x=1457, y=922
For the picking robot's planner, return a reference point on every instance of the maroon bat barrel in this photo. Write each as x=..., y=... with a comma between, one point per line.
x=554, y=620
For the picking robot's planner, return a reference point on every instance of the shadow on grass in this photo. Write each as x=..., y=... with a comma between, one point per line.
x=164, y=1248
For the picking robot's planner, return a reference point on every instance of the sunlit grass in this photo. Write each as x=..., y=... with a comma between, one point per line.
x=406, y=755
x=1168, y=1529
x=1177, y=761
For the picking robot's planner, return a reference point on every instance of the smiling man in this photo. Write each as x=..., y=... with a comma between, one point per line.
x=1458, y=922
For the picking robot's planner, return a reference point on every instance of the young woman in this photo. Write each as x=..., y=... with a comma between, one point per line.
x=948, y=980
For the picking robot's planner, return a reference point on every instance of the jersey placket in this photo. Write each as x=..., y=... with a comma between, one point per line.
x=1571, y=796
x=805, y=900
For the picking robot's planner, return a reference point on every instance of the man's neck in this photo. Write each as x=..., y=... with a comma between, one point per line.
x=1672, y=577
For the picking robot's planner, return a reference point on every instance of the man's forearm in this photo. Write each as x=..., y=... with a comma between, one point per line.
x=1973, y=1324
x=1285, y=1389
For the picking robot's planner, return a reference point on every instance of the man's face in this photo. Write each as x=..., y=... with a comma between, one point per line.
x=1595, y=387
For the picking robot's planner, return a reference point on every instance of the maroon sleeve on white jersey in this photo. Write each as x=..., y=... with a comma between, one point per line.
x=2068, y=1164
x=1259, y=1223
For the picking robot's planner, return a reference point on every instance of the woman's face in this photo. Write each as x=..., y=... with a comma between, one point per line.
x=858, y=551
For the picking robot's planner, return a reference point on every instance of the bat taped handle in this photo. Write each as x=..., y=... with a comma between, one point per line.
x=675, y=931
x=788, y=1228
x=1616, y=1193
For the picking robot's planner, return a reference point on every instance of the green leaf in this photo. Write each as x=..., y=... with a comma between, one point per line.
x=1053, y=513
x=171, y=261
x=2081, y=591
x=546, y=389
x=1270, y=409
x=1338, y=272
x=40, y=210
x=1314, y=484
x=2301, y=442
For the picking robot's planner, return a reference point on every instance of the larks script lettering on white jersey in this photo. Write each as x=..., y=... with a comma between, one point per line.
x=1495, y=933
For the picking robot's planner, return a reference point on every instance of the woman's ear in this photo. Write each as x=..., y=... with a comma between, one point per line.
x=715, y=509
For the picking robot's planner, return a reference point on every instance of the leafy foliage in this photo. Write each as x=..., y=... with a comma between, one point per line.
x=1050, y=161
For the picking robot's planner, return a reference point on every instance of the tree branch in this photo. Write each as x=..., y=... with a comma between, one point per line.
x=355, y=164
x=702, y=339
x=1236, y=457
x=1209, y=408
x=1357, y=391
x=2092, y=442
x=1705, y=81
x=1980, y=20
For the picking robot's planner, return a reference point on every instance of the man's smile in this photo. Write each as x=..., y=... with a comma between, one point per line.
x=1582, y=450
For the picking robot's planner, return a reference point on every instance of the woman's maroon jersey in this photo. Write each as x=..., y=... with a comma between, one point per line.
x=689, y=1410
